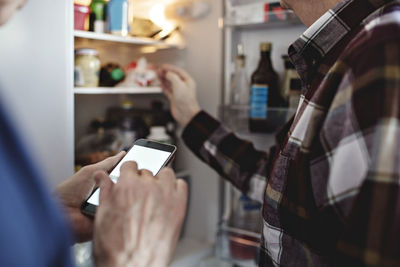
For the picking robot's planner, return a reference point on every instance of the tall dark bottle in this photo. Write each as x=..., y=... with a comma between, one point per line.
x=264, y=91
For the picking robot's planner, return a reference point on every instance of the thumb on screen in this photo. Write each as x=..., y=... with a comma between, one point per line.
x=105, y=185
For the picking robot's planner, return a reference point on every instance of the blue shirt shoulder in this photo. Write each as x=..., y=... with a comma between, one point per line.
x=32, y=230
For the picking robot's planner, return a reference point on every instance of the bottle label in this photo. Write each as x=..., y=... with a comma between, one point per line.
x=78, y=76
x=258, y=101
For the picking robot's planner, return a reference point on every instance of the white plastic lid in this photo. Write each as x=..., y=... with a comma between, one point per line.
x=86, y=52
x=158, y=132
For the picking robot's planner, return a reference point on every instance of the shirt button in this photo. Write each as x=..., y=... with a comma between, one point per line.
x=313, y=62
x=308, y=86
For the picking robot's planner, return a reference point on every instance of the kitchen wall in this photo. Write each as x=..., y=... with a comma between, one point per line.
x=36, y=81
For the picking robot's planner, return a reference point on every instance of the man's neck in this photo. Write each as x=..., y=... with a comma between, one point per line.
x=310, y=10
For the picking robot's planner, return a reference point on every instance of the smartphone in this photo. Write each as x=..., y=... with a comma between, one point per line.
x=149, y=155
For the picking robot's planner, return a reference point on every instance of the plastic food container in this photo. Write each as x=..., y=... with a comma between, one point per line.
x=87, y=67
x=81, y=17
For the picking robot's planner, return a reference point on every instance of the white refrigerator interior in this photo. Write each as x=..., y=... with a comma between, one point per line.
x=35, y=83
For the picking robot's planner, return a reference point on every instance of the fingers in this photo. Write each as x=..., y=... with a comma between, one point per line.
x=174, y=79
x=166, y=178
x=105, y=183
x=109, y=163
x=180, y=72
x=145, y=172
x=181, y=187
x=165, y=85
x=128, y=170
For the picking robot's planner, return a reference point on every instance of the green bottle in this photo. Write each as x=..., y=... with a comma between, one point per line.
x=98, y=15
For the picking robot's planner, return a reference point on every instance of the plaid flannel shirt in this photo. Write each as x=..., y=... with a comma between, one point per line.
x=330, y=188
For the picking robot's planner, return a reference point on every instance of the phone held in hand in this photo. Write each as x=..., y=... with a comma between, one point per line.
x=149, y=155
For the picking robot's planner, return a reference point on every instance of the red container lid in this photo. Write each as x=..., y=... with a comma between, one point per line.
x=81, y=9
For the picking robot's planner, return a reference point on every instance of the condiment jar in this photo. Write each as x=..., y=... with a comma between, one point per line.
x=87, y=67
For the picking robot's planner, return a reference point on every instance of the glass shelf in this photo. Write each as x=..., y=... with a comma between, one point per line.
x=270, y=19
x=106, y=37
x=237, y=118
x=117, y=90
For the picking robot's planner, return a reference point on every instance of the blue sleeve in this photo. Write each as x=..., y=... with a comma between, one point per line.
x=32, y=229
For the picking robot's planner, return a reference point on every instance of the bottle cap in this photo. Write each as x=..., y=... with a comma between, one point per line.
x=86, y=52
x=126, y=104
x=117, y=74
x=265, y=47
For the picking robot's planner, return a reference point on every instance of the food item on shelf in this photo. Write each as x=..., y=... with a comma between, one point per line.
x=290, y=73
x=246, y=216
x=82, y=2
x=130, y=123
x=98, y=15
x=81, y=17
x=143, y=27
x=243, y=247
x=264, y=91
x=273, y=11
x=162, y=124
x=257, y=12
x=246, y=13
x=140, y=73
x=87, y=67
x=111, y=74
x=97, y=145
x=117, y=17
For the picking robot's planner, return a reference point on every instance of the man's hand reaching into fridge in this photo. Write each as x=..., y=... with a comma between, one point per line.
x=180, y=88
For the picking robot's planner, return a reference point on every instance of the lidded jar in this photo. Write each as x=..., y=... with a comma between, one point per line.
x=87, y=67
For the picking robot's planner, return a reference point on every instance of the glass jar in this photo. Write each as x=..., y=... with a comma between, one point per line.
x=87, y=67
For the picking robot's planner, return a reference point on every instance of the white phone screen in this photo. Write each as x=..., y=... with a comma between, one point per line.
x=147, y=158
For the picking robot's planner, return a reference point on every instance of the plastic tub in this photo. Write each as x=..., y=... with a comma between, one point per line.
x=81, y=17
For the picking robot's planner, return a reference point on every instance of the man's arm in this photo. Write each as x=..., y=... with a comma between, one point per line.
x=233, y=158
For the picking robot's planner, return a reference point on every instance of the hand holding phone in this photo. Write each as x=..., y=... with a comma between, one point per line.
x=149, y=155
x=139, y=219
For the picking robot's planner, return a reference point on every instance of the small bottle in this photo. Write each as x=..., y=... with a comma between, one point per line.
x=118, y=17
x=111, y=74
x=131, y=126
x=290, y=73
x=264, y=91
x=239, y=98
x=98, y=16
x=159, y=134
x=240, y=83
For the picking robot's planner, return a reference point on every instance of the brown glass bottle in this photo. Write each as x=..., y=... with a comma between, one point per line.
x=264, y=91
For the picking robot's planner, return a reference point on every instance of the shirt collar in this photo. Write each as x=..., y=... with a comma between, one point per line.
x=308, y=51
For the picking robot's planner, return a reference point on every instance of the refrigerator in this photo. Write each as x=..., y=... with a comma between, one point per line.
x=53, y=114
